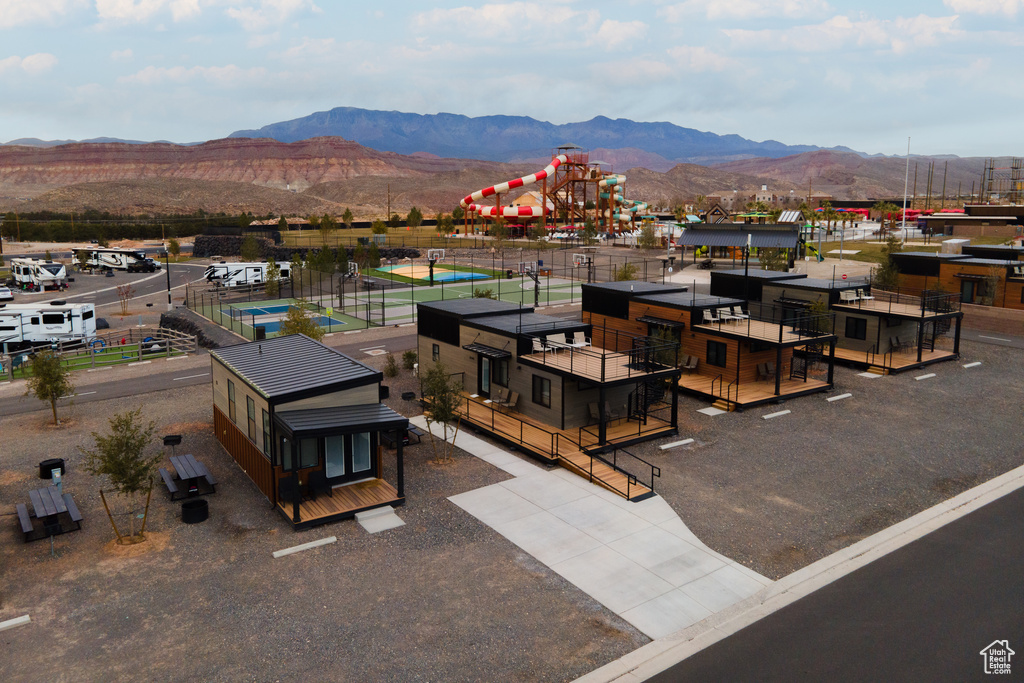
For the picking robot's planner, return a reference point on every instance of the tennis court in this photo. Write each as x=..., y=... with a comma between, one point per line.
x=245, y=317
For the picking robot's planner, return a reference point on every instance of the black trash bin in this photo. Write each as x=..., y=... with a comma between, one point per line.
x=195, y=511
x=46, y=468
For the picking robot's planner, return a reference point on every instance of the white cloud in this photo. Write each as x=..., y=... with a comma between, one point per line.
x=122, y=55
x=18, y=12
x=614, y=33
x=508, y=22
x=311, y=47
x=225, y=76
x=743, y=9
x=32, y=65
x=698, y=58
x=128, y=10
x=840, y=32
x=1007, y=7
x=266, y=14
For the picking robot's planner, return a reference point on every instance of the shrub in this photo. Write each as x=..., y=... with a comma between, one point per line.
x=409, y=359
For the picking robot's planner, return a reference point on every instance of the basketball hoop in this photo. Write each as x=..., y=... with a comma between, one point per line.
x=435, y=254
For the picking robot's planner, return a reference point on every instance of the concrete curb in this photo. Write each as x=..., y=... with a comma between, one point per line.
x=663, y=653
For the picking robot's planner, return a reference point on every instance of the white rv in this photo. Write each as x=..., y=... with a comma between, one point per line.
x=243, y=274
x=26, y=325
x=132, y=260
x=35, y=275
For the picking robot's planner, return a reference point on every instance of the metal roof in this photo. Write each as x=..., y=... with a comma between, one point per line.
x=528, y=323
x=654, y=320
x=342, y=419
x=821, y=283
x=987, y=262
x=635, y=286
x=287, y=365
x=791, y=217
x=687, y=300
x=488, y=351
x=759, y=239
x=758, y=274
x=473, y=306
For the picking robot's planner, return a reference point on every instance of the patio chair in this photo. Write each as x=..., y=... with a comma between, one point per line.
x=538, y=346
x=862, y=295
x=769, y=369
x=737, y=312
x=691, y=364
x=762, y=372
x=510, y=402
x=709, y=317
x=847, y=297
x=556, y=341
x=580, y=337
x=726, y=314
x=318, y=484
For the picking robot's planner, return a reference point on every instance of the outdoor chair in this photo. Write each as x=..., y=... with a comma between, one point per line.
x=737, y=312
x=288, y=489
x=538, y=346
x=762, y=372
x=510, y=403
x=726, y=314
x=862, y=295
x=556, y=341
x=847, y=297
x=691, y=364
x=709, y=317
x=581, y=338
x=318, y=484
x=769, y=369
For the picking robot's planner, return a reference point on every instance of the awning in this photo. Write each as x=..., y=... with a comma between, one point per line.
x=759, y=239
x=802, y=303
x=651, y=320
x=969, y=276
x=340, y=420
x=791, y=217
x=488, y=351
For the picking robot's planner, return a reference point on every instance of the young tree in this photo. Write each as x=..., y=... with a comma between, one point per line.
x=445, y=224
x=295, y=268
x=442, y=395
x=301, y=320
x=627, y=271
x=538, y=232
x=125, y=293
x=415, y=218
x=174, y=248
x=327, y=227
x=50, y=380
x=887, y=275
x=342, y=260
x=120, y=457
x=359, y=256
x=250, y=249
x=82, y=257
x=772, y=259
x=378, y=227
x=394, y=221
x=648, y=238
x=273, y=278
x=589, y=233
x=373, y=257
x=458, y=213
x=499, y=232
x=282, y=224
x=346, y=218
x=390, y=366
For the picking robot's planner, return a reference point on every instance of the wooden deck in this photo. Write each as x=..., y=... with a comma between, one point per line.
x=894, y=362
x=557, y=446
x=591, y=362
x=750, y=393
x=760, y=330
x=882, y=306
x=344, y=502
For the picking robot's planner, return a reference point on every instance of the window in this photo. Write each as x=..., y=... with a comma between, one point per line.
x=35, y=320
x=893, y=322
x=53, y=318
x=87, y=315
x=361, y=452
x=435, y=353
x=856, y=328
x=250, y=411
x=266, y=432
x=501, y=372
x=308, y=455
x=231, y=400
x=717, y=353
x=542, y=391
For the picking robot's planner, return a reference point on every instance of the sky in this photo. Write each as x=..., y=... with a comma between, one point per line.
x=867, y=75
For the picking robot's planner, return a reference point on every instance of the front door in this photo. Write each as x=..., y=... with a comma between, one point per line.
x=348, y=457
x=967, y=291
x=485, y=377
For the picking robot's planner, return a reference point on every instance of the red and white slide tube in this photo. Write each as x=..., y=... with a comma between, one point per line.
x=469, y=203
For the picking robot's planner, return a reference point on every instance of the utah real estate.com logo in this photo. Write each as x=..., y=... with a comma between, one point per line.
x=997, y=657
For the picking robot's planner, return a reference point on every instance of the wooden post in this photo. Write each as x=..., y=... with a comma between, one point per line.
x=107, y=508
x=145, y=515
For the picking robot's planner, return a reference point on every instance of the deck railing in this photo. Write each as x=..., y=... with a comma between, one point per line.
x=619, y=459
x=627, y=356
x=796, y=328
x=926, y=302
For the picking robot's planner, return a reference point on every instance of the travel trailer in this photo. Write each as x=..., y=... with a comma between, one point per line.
x=35, y=275
x=132, y=260
x=27, y=325
x=243, y=274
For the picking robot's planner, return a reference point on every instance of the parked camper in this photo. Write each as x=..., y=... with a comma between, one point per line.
x=35, y=275
x=243, y=274
x=26, y=325
x=132, y=260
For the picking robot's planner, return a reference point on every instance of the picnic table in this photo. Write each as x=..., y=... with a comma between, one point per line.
x=706, y=264
x=48, y=504
x=189, y=474
x=390, y=438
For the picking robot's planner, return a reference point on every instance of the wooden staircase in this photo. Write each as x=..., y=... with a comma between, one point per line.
x=877, y=370
x=585, y=465
x=724, y=404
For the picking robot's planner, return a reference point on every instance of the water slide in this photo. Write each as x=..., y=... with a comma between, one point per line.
x=469, y=203
x=623, y=208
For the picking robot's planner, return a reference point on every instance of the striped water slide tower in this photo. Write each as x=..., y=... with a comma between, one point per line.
x=469, y=202
x=613, y=184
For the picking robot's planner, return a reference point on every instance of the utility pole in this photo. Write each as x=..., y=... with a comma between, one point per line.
x=388, y=217
x=945, y=172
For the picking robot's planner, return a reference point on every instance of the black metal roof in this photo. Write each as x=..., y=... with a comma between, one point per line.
x=759, y=239
x=757, y=273
x=294, y=364
x=473, y=307
x=929, y=255
x=999, y=263
x=341, y=419
x=687, y=300
x=821, y=283
x=654, y=320
x=488, y=351
x=528, y=323
x=637, y=287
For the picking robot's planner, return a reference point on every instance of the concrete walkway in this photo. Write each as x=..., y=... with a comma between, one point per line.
x=637, y=559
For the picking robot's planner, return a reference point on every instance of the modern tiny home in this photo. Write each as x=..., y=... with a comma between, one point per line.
x=303, y=421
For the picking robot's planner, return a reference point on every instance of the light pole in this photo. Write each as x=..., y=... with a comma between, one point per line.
x=167, y=267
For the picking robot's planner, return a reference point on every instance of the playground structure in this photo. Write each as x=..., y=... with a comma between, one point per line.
x=568, y=184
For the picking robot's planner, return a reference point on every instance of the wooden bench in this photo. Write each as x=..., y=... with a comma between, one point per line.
x=207, y=476
x=73, y=512
x=168, y=481
x=26, y=521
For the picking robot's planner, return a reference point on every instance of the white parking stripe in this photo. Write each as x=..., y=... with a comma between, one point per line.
x=190, y=377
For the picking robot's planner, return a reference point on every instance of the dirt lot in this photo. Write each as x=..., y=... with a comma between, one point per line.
x=442, y=598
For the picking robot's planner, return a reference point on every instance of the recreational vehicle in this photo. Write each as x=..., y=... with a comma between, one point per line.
x=243, y=274
x=26, y=325
x=35, y=275
x=132, y=260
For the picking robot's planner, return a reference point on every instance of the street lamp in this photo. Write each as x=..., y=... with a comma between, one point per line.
x=746, y=273
x=167, y=267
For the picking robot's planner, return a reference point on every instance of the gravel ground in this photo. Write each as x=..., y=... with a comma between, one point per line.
x=779, y=494
x=442, y=598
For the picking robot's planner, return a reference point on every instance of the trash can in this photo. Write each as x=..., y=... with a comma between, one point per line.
x=195, y=511
x=46, y=467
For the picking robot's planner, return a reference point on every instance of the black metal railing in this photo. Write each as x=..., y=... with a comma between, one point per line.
x=619, y=459
x=627, y=356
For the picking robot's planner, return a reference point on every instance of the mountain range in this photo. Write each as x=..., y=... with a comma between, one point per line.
x=521, y=138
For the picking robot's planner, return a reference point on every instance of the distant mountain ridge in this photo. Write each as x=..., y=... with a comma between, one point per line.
x=520, y=138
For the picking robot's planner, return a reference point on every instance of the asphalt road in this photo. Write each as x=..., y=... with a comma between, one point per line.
x=922, y=613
